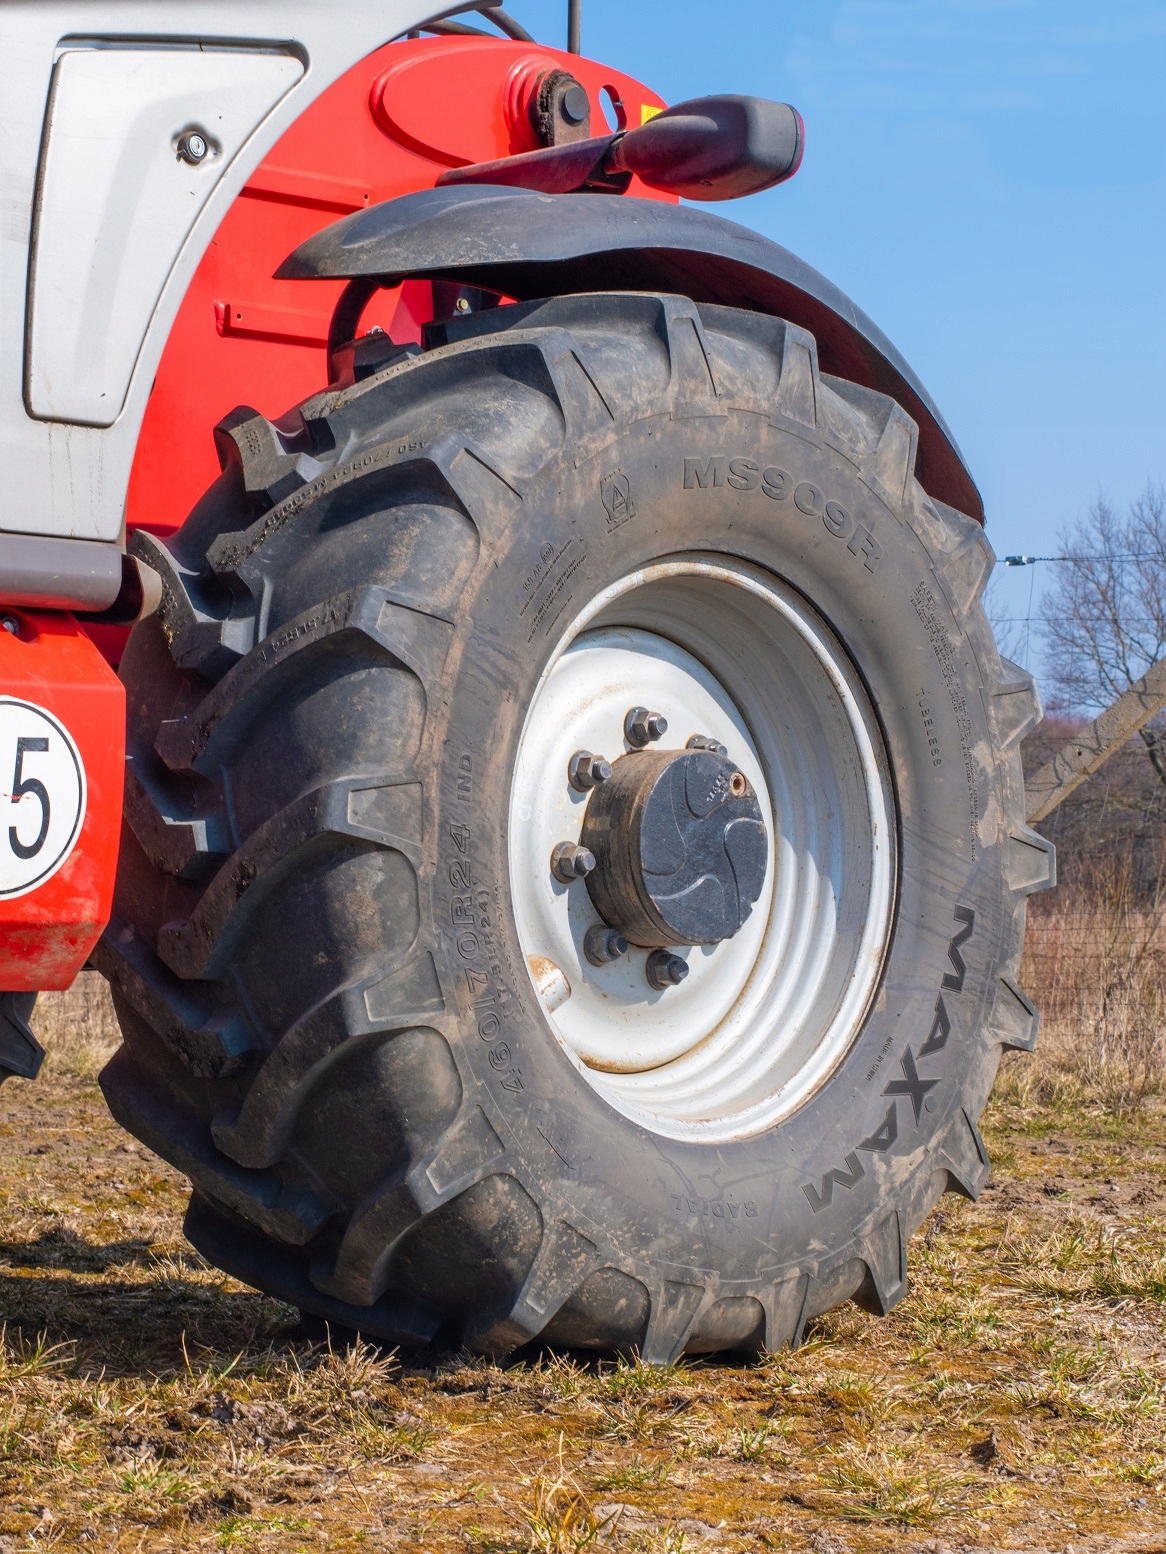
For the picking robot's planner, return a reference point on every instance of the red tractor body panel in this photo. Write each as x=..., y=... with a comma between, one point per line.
x=392, y=124
x=66, y=707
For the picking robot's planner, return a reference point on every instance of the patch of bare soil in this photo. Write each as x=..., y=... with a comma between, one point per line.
x=1015, y=1400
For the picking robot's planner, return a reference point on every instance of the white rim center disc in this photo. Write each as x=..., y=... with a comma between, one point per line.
x=720, y=649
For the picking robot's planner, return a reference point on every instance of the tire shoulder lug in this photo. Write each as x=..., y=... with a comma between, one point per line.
x=586, y=410
x=799, y=383
x=259, y=1132
x=785, y=1311
x=288, y=1211
x=965, y=1157
x=693, y=389
x=270, y=469
x=417, y=640
x=234, y=1246
x=893, y=461
x=564, y=1259
x=175, y=846
x=1030, y=861
x=177, y=609
x=1015, y=1020
x=676, y=1309
x=466, y=1152
x=212, y=1047
x=408, y=995
x=884, y=1251
x=959, y=549
x=188, y=947
x=476, y=481
x=1014, y=706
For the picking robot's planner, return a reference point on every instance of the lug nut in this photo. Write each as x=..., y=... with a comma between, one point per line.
x=10, y=624
x=641, y=727
x=706, y=742
x=585, y=771
x=665, y=969
x=570, y=862
x=602, y=944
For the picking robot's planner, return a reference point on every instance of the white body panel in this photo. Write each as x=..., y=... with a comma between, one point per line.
x=117, y=202
x=68, y=479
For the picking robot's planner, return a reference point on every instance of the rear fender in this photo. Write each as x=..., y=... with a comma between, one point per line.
x=527, y=245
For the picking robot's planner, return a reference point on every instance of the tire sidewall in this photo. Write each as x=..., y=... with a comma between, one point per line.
x=742, y=1207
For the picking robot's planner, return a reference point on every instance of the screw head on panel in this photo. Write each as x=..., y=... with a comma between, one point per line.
x=193, y=147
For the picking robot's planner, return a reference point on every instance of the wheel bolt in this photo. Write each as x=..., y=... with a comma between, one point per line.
x=571, y=862
x=585, y=770
x=705, y=742
x=641, y=727
x=602, y=944
x=665, y=969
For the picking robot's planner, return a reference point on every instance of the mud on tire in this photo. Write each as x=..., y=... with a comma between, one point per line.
x=328, y=1020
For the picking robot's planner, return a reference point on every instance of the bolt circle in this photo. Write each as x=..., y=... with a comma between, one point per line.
x=641, y=727
x=570, y=862
x=665, y=970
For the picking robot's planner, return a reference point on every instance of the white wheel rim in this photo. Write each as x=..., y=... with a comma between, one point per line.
x=722, y=649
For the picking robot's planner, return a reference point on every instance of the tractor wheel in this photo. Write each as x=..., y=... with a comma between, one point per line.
x=451, y=1029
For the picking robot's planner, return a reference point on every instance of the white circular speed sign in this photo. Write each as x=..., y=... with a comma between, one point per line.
x=42, y=796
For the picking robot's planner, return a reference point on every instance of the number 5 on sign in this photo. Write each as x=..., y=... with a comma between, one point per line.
x=42, y=796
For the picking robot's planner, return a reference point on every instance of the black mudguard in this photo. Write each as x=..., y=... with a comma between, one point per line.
x=527, y=245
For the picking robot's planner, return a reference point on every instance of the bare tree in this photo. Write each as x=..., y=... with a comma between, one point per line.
x=1104, y=618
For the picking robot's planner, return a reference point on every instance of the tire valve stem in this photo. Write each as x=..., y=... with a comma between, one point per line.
x=665, y=970
x=586, y=771
x=602, y=944
x=641, y=727
x=570, y=862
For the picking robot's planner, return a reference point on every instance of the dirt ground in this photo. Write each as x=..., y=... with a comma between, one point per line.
x=1016, y=1399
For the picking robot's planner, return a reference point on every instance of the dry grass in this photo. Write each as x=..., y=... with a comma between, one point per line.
x=1095, y=957
x=1016, y=1398
x=78, y=1029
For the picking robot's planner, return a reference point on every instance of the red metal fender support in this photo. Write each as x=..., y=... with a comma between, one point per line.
x=62, y=759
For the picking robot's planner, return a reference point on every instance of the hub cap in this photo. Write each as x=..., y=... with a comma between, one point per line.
x=768, y=869
x=680, y=847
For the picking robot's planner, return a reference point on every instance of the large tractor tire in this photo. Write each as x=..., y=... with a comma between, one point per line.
x=357, y=1001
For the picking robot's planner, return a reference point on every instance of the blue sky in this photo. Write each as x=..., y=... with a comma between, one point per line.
x=986, y=178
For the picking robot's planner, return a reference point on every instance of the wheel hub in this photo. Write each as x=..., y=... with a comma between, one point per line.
x=680, y=847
